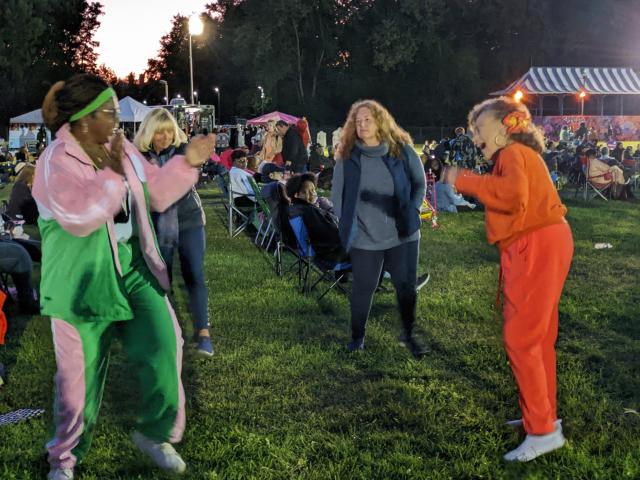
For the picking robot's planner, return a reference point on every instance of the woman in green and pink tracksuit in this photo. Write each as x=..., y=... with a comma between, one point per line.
x=102, y=273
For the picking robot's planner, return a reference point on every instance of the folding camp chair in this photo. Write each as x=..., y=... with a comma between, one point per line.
x=243, y=215
x=264, y=227
x=309, y=262
x=597, y=185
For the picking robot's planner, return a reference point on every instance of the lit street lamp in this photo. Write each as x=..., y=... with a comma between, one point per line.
x=582, y=97
x=261, y=99
x=195, y=28
x=583, y=93
x=166, y=91
x=518, y=96
x=195, y=94
x=217, y=90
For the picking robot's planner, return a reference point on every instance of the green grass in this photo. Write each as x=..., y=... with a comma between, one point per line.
x=281, y=398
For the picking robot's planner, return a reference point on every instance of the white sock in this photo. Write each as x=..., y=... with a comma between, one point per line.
x=518, y=423
x=536, y=445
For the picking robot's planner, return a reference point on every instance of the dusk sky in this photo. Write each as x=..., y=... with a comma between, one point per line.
x=130, y=30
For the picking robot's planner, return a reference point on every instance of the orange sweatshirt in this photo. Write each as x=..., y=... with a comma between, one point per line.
x=518, y=195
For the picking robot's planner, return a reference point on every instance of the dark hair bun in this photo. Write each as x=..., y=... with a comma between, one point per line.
x=50, y=105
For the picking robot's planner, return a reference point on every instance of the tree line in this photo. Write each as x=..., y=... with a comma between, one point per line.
x=429, y=61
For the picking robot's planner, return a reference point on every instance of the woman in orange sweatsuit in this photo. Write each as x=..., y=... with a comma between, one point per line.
x=524, y=217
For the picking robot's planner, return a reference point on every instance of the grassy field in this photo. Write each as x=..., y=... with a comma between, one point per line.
x=282, y=399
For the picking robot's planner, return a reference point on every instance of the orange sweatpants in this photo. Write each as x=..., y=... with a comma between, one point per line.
x=534, y=269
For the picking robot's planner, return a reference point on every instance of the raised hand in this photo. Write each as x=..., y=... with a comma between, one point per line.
x=116, y=152
x=200, y=149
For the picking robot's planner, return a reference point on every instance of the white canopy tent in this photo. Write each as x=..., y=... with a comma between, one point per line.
x=31, y=117
x=131, y=111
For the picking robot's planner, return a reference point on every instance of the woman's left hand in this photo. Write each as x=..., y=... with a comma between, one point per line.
x=200, y=149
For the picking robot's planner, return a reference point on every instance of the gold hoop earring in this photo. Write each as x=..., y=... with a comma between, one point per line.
x=495, y=140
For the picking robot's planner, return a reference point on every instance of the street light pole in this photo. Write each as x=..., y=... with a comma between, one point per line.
x=583, y=93
x=191, y=68
x=166, y=91
x=261, y=99
x=217, y=90
x=195, y=28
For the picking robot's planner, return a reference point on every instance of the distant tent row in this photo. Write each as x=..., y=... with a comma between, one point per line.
x=130, y=111
x=561, y=82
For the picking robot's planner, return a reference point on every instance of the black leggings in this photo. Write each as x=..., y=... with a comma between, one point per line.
x=402, y=263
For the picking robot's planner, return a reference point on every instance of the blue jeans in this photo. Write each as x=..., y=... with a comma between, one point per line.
x=191, y=246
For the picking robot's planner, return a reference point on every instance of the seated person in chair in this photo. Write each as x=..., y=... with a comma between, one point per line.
x=243, y=195
x=322, y=225
x=601, y=172
x=15, y=260
x=21, y=201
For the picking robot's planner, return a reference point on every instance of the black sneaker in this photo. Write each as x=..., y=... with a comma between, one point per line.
x=415, y=344
x=422, y=280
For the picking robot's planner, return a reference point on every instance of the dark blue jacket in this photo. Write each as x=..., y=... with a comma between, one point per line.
x=408, y=193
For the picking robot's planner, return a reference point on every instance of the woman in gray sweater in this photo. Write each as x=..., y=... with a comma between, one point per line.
x=378, y=188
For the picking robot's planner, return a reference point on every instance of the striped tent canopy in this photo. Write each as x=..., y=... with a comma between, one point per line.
x=571, y=80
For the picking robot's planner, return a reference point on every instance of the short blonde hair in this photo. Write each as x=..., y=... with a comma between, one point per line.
x=157, y=120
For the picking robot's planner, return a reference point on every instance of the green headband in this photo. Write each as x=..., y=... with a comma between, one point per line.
x=93, y=106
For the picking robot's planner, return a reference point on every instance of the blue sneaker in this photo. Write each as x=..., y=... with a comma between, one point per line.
x=205, y=347
x=356, y=345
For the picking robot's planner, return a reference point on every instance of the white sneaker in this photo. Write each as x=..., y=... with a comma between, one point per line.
x=536, y=445
x=60, y=474
x=163, y=454
x=518, y=423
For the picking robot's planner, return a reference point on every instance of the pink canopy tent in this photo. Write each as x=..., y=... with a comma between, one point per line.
x=275, y=116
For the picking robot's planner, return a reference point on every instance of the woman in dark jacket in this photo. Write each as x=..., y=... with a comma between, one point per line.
x=378, y=188
x=181, y=226
x=21, y=201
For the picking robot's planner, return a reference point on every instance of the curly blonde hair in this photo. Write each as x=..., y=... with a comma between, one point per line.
x=499, y=108
x=388, y=130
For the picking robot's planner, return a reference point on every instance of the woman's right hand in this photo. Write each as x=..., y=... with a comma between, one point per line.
x=116, y=151
x=199, y=149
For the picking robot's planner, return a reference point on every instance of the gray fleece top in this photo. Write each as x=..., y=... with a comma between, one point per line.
x=374, y=210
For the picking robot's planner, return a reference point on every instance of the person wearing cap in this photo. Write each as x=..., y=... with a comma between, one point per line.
x=317, y=159
x=243, y=194
x=270, y=172
x=102, y=271
x=272, y=176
